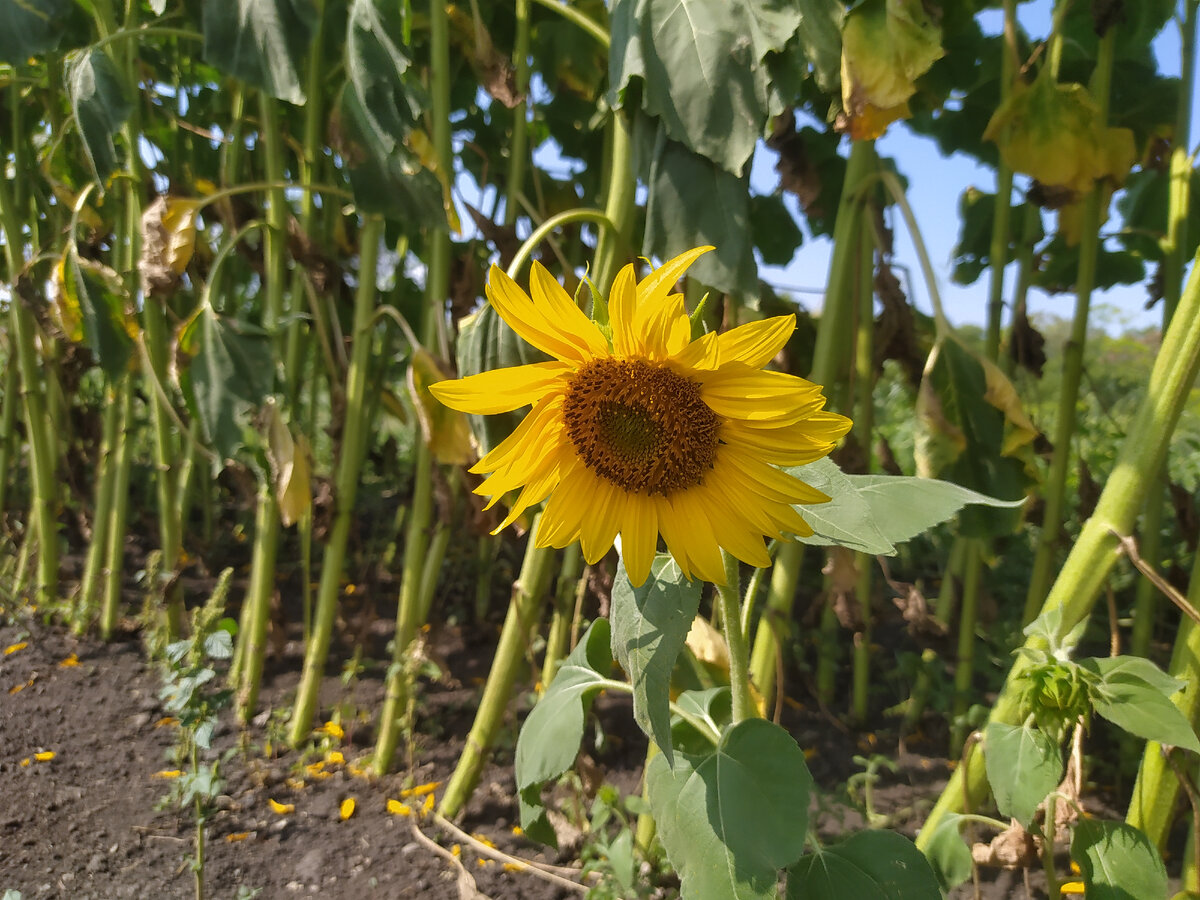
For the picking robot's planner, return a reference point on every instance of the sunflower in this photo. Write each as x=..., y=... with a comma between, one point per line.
x=648, y=432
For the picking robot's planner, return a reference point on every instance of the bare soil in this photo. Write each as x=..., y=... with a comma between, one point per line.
x=88, y=823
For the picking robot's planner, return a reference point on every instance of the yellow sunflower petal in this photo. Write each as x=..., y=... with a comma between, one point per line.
x=561, y=520
x=655, y=287
x=560, y=309
x=789, y=445
x=639, y=538
x=622, y=304
x=538, y=433
x=756, y=343
x=500, y=390
x=531, y=323
x=694, y=531
x=664, y=326
x=537, y=490
x=702, y=353
x=736, y=391
x=599, y=530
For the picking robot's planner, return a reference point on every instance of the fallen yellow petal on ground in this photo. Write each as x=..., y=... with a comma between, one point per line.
x=282, y=808
x=335, y=758
x=70, y=662
x=396, y=808
x=44, y=756
x=347, y=808
x=1072, y=888
x=166, y=720
x=25, y=762
x=333, y=729
x=13, y=648
x=237, y=836
x=167, y=773
x=420, y=790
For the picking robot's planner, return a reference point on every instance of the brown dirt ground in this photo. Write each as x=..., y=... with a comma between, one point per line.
x=85, y=825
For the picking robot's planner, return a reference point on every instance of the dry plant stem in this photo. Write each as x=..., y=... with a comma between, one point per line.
x=1090, y=560
x=563, y=876
x=1129, y=548
x=1114, y=625
x=1153, y=804
x=527, y=596
x=354, y=434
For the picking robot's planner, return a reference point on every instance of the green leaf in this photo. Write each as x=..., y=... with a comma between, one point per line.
x=948, y=854
x=776, y=234
x=1138, y=701
x=712, y=706
x=229, y=374
x=1121, y=667
x=219, y=645
x=694, y=202
x=377, y=66
x=871, y=865
x=100, y=107
x=386, y=177
x=1024, y=764
x=971, y=431
x=700, y=63
x=262, y=42
x=873, y=513
x=731, y=819
x=30, y=27
x=102, y=314
x=1118, y=862
x=649, y=627
x=549, y=739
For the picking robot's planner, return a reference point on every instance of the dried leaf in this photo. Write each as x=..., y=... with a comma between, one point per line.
x=168, y=241
x=1013, y=848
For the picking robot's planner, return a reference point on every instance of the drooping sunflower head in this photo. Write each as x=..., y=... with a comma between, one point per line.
x=649, y=432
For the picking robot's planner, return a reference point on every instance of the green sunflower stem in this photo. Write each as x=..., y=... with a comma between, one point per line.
x=89, y=582
x=528, y=594
x=565, y=593
x=774, y=623
x=397, y=688
x=1095, y=552
x=518, y=145
x=731, y=621
x=118, y=515
x=1085, y=282
x=964, y=670
x=1153, y=805
x=253, y=640
x=620, y=188
x=864, y=423
x=8, y=419
x=350, y=457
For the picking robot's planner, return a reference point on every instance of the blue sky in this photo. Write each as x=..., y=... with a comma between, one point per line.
x=935, y=184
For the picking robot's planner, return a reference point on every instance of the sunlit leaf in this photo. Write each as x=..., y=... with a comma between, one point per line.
x=103, y=325
x=1024, y=764
x=879, y=865
x=731, y=819
x=1117, y=862
x=446, y=431
x=649, y=626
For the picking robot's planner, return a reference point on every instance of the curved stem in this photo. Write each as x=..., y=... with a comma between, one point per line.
x=547, y=227
x=571, y=14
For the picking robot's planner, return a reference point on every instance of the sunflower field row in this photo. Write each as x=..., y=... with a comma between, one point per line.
x=327, y=312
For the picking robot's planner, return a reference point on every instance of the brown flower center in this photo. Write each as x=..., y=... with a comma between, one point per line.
x=641, y=426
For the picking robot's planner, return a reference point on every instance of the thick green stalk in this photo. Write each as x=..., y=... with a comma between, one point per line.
x=1073, y=353
x=43, y=452
x=89, y=582
x=1152, y=807
x=397, y=688
x=1087, y=566
x=118, y=514
x=8, y=421
x=565, y=594
x=785, y=575
x=620, y=188
x=731, y=624
x=258, y=601
x=518, y=145
x=528, y=594
x=964, y=671
x=354, y=436
x=998, y=249
x=1147, y=602
x=864, y=424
